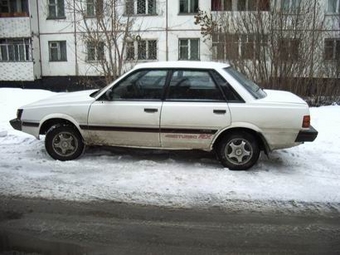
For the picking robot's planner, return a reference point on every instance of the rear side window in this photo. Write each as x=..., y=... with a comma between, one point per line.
x=193, y=85
x=249, y=85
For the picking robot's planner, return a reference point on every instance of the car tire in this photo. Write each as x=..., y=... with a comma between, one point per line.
x=238, y=151
x=63, y=142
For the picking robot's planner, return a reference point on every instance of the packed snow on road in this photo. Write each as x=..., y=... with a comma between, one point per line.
x=305, y=175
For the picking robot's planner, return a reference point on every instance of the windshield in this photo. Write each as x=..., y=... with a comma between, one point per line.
x=249, y=85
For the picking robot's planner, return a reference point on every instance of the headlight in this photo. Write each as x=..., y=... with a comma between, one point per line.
x=19, y=113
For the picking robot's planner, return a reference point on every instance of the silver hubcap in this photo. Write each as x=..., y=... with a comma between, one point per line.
x=65, y=144
x=238, y=151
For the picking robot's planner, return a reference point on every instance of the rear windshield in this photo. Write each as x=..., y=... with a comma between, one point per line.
x=249, y=85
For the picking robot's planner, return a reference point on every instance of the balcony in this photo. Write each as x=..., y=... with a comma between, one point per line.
x=14, y=27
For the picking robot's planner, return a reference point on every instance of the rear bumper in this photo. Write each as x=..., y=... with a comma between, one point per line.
x=16, y=124
x=307, y=135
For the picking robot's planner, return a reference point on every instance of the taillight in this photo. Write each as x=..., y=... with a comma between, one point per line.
x=306, y=121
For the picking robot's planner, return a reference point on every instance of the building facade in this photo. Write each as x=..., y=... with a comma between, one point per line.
x=51, y=42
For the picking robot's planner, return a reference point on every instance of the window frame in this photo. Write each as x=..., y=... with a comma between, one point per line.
x=189, y=49
x=59, y=9
x=60, y=51
x=16, y=50
x=190, y=6
x=132, y=8
x=96, y=7
x=335, y=48
x=337, y=7
x=290, y=45
x=98, y=51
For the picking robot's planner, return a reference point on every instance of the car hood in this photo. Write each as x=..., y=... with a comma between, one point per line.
x=282, y=97
x=68, y=98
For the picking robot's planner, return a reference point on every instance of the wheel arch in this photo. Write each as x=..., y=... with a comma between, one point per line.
x=50, y=121
x=256, y=133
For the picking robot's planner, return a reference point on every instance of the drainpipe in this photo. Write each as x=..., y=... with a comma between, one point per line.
x=39, y=38
x=166, y=31
x=75, y=38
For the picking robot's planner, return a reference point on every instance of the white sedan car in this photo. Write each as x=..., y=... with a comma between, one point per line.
x=172, y=105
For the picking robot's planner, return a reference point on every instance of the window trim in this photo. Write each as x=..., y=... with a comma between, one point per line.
x=96, y=46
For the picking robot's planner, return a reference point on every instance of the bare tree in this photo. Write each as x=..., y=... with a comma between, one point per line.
x=105, y=29
x=279, y=45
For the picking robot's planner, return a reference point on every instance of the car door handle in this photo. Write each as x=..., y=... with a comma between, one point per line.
x=220, y=111
x=150, y=110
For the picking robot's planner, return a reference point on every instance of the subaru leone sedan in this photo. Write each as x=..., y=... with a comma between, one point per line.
x=173, y=106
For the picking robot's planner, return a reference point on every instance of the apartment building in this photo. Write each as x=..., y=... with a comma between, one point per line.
x=49, y=42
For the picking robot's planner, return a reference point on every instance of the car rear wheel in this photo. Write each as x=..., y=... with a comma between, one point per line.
x=238, y=151
x=64, y=142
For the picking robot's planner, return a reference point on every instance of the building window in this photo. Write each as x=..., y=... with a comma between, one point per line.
x=147, y=49
x=290, y=6
x=144, y=49
x=333, y=6
x=221, y=5
x=289, y=49
x=94, y=8
x=189, y=49
x=95, y=51
x=238, y=46
x=18, y=8
x=188, y=6
x=56, y=9
x=57, y=51
x=140, y=7
x=240, y=5
x=332, y=49
x=15, y=50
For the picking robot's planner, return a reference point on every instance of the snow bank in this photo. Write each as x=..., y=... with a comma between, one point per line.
x=306, y=174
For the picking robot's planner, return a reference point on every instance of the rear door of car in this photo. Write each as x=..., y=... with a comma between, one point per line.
x=193, y=111
x=129, y=113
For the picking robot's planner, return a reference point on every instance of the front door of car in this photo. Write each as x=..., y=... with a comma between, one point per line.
x=128, y=114
x=194, y=110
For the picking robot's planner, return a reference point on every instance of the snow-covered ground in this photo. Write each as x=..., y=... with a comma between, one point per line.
x=305, y=175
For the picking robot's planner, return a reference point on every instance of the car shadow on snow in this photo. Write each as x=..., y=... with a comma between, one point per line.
x=276, y=160
x=180, y=156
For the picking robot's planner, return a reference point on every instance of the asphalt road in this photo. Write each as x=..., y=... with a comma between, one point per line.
x=37, y=226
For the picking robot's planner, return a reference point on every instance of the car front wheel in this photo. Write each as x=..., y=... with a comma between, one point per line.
x=238, y=151
x=63, y=142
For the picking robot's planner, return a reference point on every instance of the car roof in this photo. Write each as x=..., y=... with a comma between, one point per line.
x=182, y=64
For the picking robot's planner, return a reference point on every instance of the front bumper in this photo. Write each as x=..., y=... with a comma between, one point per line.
x=16, y=124
x=307, y=135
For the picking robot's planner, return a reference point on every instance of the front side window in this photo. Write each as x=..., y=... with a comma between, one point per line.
x=140, y=7
x=95, y=51
x=193, y=85
x=56, y=9
x=57, y=51
x=189, y=49
x=221, y=5
x=188, y=6
x=333, y=6
x=332, y=49
x=142, y=84
x=15, y=50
